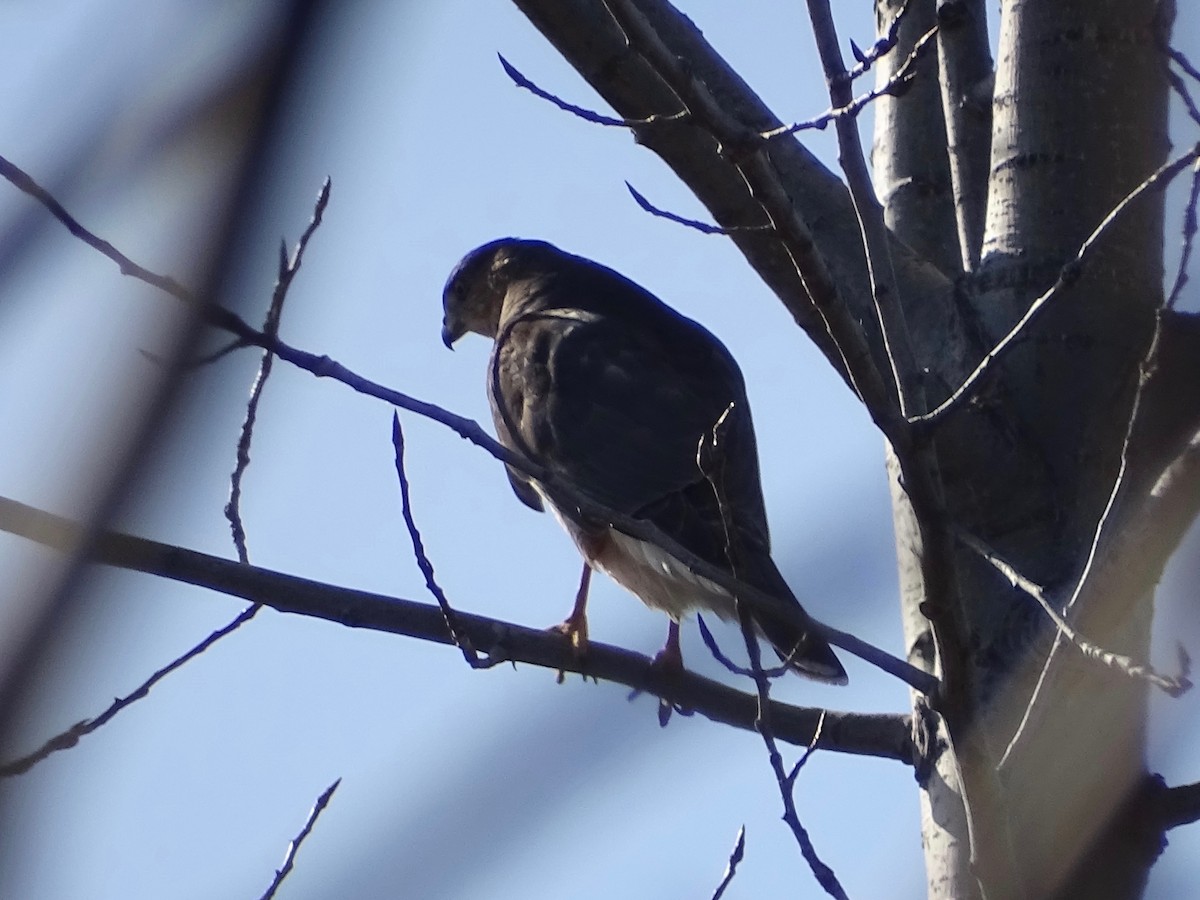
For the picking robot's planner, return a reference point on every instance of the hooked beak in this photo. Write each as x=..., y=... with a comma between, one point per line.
x=449, y=335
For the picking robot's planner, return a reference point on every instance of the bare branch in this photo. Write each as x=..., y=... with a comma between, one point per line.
x=702, y=227
x=287, y=272
x=1067, y=276
x=1189, y=239
x=744, y=149
x=897, y=342
x=461, y=641
x=71, y=736
x=967, y=79
x=1184, y=63
x=710, y=461
x=1175, y=685
x=735, y=857
x=289, y=860
x=1185, y=95
x=885, y=735
x=711, y=643
x=896, y=83
x=586, y=114
x=882, y=46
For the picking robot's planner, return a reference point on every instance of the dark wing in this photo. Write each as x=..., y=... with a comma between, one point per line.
x=619, y=408
x=648, y=416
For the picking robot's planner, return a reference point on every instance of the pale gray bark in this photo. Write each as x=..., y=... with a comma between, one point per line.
x=1028, y=463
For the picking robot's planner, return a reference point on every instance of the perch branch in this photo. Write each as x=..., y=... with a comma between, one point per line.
x=884, y=735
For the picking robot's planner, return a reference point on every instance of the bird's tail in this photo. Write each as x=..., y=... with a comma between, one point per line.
x=801, y=648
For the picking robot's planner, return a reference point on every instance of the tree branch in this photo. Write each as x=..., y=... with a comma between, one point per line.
x=967, y=78
x=885, y=735
x=289, y=861
x=1068, y=275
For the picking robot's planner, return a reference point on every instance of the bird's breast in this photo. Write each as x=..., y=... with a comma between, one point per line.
x=646, y=570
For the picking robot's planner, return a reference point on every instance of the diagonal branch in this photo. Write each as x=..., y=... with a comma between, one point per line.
x=460, y=640
x=288, y=267
x=894, y=84
x=289, y=860
x=1173, y=685
x=747, y=152
x=1067, y=276
x=897, y=343
x=72, y=735
x=735, y=858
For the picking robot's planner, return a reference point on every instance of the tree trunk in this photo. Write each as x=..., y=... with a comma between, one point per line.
x=1027, y=468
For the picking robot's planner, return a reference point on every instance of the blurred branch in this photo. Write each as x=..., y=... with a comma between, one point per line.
x=71, y=736
x=289, y=860
x=885, y=735
x=287, y=271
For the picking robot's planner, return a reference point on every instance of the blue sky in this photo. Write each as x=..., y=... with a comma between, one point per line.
x=455, y=783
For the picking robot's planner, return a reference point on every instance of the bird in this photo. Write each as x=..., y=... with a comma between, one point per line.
x=642, y=411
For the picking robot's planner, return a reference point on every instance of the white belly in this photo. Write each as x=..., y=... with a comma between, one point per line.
x=650, y=573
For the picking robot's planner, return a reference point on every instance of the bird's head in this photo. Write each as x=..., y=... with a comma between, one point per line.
x=474, y=292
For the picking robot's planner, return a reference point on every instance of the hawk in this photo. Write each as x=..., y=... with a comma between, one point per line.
x=605, y=386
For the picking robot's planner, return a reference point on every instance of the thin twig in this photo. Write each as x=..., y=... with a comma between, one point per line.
x=288, y=267
x=586, y=114
x=71, y=736
x=885, y=295
x=1184, y=63
x=1185, y=95
x=1144, y=369
x=711, y=643
x=710, y=459
x=1067, y=276
x=735, y=857
x=1172, y=685
x=850, y=110
x=1189, y=239
x=702, y=227
x=882, y=46
x=461, y=641
x=289, y=860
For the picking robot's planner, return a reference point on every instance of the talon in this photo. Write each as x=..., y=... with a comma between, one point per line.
x=575, y=630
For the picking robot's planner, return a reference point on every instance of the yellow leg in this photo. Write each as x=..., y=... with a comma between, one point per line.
x=575, y=627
